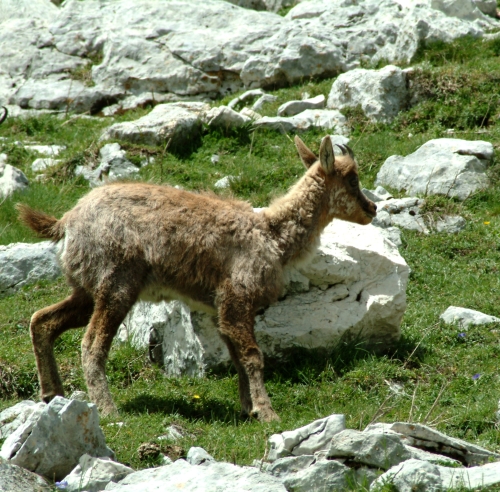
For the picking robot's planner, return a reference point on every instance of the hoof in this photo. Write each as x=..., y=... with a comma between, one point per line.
x=48, y=397
x=265, y=415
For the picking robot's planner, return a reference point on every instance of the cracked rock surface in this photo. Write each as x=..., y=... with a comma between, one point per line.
x=450, y=167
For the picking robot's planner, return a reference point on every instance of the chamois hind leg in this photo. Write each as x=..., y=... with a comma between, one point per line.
x=243, y=383
x=46, y=326
x=236, y=323
x=111, y=307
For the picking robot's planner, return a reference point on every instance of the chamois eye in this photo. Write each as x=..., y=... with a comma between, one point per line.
x=354, y=181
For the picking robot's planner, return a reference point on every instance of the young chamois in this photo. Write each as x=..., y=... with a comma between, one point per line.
x=128, y=241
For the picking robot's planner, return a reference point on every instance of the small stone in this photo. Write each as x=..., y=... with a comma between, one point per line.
x=198, y=456
x=465, y=317
x=224, y=182
x=80, y=396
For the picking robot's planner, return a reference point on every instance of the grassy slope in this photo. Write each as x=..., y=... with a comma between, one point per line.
x=458, y=85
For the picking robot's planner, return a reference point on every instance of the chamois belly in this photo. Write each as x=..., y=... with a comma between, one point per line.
x=158, y=293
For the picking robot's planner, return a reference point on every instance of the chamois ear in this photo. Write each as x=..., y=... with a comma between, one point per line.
x=307, y=157
x=326, y=155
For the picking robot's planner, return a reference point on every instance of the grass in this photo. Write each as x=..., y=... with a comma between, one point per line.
x=434, y=364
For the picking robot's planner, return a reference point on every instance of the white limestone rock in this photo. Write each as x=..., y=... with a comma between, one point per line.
x=220, y=477
x=167, y=330
x=323, y=476
x=246, y=97
x=488, y=7
x=24, y=263
x=56, y=93
x=47, y=150
x=176, y=123
x=401, y=212
x=225, y=117
x=198, y=456
x=427, y=21
x=42, y=164
x=381, y=94
x=414, y=475
x=291, y=108
x=204, y=47
x=11, y=180
x=310, y=118
x=13, y=417
x=263, y=101
x=113, y=166
x=466, y=317
x=450, y=224
x=372, y=449
x=250, y=113
x=224, y=182
x=13, y=478
x=450, y=167
x=51, y=441
x=93, y=474
x=428, y=439
x=306, y=440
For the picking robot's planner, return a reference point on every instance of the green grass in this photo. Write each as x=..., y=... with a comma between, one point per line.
x=458, y=88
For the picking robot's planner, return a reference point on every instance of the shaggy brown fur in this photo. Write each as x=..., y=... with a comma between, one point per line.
x=126, y=241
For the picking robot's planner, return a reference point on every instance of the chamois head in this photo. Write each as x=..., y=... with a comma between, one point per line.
x=345, y=199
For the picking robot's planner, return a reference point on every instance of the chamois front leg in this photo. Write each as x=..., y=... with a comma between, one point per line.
x=46, y=326
x=243, y=383
x=236, y=325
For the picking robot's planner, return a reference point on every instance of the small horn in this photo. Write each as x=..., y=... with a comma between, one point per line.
x=4, y=116
x=346, y=150
x=351, y=153
x=342, y=148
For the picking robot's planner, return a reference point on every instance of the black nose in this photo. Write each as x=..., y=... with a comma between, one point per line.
x=375, y=206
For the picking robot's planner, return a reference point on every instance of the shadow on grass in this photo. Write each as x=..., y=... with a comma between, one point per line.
x=305, y=366
x=208, y=410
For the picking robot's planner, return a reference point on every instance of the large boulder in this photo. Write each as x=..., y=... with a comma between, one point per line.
x=444, y=166
x=54, y=437
x=87, y=55
x=381, y=94
x=209, y=476
x=354, y=287
x=13, y=478
x=24, y=263
x=415, y=475
x=175, y=123
x=93, y=474
x=11, y=179
x=429, y=439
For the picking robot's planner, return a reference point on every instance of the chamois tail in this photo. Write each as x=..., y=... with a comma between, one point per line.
x=44, y=225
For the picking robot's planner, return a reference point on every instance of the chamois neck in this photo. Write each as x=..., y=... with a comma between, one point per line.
x=295, y=218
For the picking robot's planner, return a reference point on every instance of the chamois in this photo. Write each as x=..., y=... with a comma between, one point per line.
x=128, y=241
